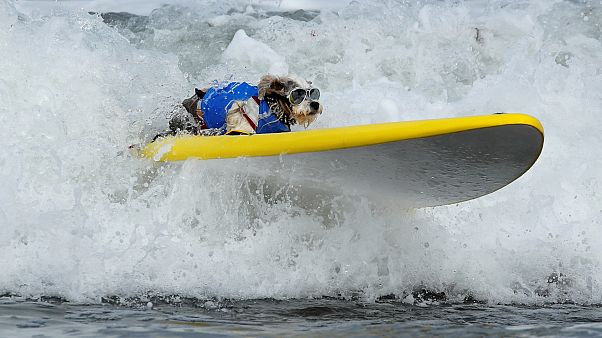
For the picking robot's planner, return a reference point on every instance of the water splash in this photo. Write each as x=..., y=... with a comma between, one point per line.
x=80, y=219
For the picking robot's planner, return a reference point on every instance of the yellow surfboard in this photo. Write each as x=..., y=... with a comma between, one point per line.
x=430, y=162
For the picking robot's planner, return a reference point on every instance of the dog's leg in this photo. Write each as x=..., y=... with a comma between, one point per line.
x=242, y=118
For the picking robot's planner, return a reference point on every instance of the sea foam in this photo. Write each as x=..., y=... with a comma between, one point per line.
x=80, y=218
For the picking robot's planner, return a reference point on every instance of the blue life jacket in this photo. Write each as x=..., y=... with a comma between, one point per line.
x=217, y=101
x=268, y=121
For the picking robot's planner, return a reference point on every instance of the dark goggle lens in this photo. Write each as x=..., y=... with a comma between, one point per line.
x=297, y=96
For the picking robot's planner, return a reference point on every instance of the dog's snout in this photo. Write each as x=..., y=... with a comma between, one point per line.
x=314, y=105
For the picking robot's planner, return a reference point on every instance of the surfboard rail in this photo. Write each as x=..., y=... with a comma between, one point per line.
x=178, y=148
x=419, y=163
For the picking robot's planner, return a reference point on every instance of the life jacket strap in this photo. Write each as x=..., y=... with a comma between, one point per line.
x=246, y=116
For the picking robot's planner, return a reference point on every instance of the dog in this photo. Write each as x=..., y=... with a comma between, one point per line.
x=273, y=106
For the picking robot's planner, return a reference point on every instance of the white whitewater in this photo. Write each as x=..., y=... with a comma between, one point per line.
x=81, y=219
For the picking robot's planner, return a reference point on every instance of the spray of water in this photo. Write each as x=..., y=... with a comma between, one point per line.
x=81, y=219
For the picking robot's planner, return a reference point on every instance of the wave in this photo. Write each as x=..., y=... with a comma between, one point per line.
x=81, y=219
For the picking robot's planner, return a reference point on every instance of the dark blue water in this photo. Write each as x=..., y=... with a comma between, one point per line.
x=318, y=317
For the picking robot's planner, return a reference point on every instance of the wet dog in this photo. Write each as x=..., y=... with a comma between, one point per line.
x=273, y=106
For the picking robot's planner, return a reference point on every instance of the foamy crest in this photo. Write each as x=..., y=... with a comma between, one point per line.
x=254, y=54
x=81, y=219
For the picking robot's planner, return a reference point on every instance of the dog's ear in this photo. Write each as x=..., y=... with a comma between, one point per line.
x=270, y=84
x=190, y=104
x=198, y=92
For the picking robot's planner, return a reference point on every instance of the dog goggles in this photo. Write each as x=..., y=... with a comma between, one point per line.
x=298, y=95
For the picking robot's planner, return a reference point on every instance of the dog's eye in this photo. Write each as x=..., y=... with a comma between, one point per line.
x=297, y=96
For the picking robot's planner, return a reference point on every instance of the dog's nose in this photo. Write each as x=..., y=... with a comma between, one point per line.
x=314, y=105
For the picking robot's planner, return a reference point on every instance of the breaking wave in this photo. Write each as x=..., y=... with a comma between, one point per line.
x=80, y=218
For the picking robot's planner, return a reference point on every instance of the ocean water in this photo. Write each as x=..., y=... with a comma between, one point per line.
x=94, y=241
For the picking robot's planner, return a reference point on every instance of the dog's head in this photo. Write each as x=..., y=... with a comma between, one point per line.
x=292, y=96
